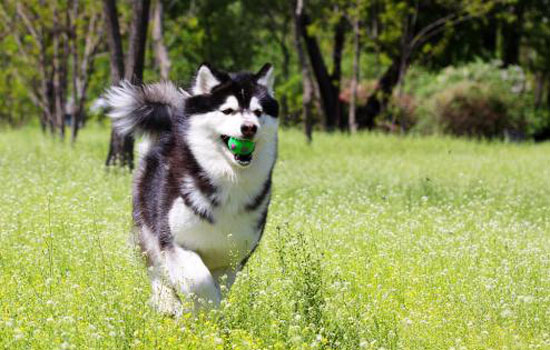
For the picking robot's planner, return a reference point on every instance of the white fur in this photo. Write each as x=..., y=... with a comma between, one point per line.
x=144, y=145
x=221, y=245
x=195, y=196
x=204, y=81
x=184, y=270
x=164, y=298
x=123, y=102
x=267, y=80
x=191, y=277
x=231, y=102
x=255, y=104
x=125, y=99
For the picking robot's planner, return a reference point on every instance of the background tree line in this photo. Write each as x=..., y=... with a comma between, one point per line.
x=466, y=67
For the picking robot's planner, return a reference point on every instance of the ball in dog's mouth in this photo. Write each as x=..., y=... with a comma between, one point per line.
x=241, y=149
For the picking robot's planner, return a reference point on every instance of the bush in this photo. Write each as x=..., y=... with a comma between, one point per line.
x=475, y=109
x=478, y=99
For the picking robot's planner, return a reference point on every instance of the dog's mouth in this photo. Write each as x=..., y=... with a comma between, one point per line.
x=240, y=149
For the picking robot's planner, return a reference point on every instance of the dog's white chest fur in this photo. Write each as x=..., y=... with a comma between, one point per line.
x=227, y=240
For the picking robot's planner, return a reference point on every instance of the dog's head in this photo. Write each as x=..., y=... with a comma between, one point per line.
x=225, y=109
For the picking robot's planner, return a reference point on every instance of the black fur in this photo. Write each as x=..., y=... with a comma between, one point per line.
x=258, y=200
x=241, y=85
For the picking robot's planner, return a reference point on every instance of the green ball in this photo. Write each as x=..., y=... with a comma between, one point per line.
x=240, y=147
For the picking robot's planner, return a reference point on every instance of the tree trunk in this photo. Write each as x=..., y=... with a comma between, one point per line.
x=379, y=97
x=285, y=71
x=58, y=78
x=83, y=71
x=307, y=84
x=114, y=40
x=539, y=88
x=328, y=92
x=490, y=34
x=71, y=24
x=161, y=53
x=286, y=75
x=338, y=47
x=355, y=77
x=121, y=148
x=138, y=36
x=512, y=33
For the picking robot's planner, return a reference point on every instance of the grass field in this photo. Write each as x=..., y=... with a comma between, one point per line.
x=372, y=242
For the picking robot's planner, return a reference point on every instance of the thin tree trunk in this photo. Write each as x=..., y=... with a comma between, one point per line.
x=286, y=75
x=355, y=77
x=83, y=71
x=338, y=48
x=161, y=53
x=282, y=42
x=285, y=70
x=539, y=89
x=57, y=78
x=307, y=84
x=71, y=19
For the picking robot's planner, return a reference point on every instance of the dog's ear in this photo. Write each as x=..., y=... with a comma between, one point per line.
x=206, y=79
x=266, y=78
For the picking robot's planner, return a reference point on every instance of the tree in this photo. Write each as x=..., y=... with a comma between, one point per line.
x=328, y=84
x=162, y=58
x=512, y=31
x=121, y=148
x=307, y=84
x=83, y=67
x=355, y=13
x=47, y=37
x=408, y=28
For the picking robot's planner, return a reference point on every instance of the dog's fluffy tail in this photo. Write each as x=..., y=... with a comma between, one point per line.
x=144, y=109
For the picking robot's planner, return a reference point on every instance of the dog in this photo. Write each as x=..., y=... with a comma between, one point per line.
x=199, y=209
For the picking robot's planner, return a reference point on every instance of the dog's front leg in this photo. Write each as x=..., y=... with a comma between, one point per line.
x=191, y=278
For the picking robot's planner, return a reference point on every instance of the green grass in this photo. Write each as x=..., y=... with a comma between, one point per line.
x=372, y=242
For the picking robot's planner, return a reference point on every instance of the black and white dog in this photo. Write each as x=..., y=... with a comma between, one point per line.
x=199, y=208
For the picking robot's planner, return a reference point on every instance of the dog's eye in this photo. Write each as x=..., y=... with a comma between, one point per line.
x=228, y=111
x=257, y=112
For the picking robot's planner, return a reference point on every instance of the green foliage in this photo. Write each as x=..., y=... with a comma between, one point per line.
x=403, y=243
x=244, y=34
x=477, y=99
x=537, y=35
x=15, y=107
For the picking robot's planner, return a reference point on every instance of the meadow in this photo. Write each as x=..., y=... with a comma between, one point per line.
x=372, y=242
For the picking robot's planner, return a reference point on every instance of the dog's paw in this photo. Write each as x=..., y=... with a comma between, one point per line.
x=165, y=301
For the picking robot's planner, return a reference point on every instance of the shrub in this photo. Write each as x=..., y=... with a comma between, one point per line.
x=478, y=99
x=475, y=109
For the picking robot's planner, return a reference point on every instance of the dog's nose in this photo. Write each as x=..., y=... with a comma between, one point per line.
x=249, y=130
